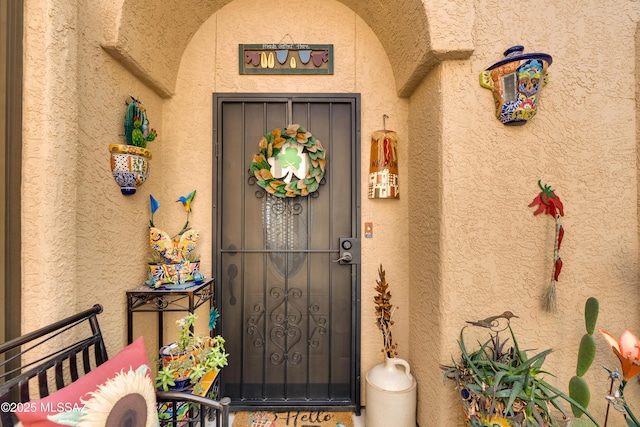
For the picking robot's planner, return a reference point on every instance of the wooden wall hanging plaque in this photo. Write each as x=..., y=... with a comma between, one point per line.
x=286, y=58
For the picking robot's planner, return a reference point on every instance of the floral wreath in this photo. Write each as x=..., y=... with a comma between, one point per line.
x=270, y=147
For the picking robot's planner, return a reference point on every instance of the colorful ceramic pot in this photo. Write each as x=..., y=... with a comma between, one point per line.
x=173, y=274
x=165, y=413
x=130, y=166
x=516, y=82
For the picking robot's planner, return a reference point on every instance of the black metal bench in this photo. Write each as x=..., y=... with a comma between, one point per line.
x=38, y=363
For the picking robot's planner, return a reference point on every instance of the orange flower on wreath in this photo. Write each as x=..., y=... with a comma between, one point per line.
x=627, y=350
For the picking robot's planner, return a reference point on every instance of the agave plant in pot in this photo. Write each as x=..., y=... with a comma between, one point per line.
x=193, y=360
x=500, y=385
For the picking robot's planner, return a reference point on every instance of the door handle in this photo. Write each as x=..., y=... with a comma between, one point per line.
x=232, y=272
x=349, y=251
x=345, y=258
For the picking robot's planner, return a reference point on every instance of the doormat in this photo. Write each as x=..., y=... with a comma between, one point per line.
x=293, y=419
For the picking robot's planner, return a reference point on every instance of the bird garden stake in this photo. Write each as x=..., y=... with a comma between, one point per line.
x=495, y=323
x=549, y=203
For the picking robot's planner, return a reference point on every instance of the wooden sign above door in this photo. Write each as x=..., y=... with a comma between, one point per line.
x=286, y=58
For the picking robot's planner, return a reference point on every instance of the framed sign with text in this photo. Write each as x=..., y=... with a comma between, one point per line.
x=286, y=58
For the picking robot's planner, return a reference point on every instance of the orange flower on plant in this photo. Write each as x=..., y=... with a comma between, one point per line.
x=627, y=351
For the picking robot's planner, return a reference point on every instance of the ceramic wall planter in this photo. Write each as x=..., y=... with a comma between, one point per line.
x=516, y=82
x=130, y=166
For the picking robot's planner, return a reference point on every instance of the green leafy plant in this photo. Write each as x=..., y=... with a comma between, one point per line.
x=500, y=382
x=191, y=356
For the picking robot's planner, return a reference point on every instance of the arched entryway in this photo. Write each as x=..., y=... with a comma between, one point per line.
x=414, y=40
x=381, y=52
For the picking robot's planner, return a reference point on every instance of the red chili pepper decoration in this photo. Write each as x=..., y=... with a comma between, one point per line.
x=387, y=151
x=558, y=268
x=560, y=236
x=548, y=202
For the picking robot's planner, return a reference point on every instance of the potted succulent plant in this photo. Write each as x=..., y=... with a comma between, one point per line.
x=130, y=161
x=192, y=357
x=500, y=385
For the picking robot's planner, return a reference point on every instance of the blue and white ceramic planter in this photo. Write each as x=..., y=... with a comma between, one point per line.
x=130, y=166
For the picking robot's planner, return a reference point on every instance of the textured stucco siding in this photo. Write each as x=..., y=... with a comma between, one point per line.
x=49, y=161
x=210, y=64
x=493, y=254
x=460, y=244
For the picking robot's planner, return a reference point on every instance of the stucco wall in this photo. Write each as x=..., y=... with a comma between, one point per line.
x=82, y=241
x=210, y=64
x=106, y=251
x=492, y=253
x=459, y=245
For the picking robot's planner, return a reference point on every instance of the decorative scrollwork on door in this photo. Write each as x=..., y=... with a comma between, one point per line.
x=285, y=331
x=284, y=326
x=320, y=326
x=254, y=325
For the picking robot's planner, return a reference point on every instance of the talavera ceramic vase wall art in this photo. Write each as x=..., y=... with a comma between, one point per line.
x=130, y=166
x=130, y=161
x=516, y=81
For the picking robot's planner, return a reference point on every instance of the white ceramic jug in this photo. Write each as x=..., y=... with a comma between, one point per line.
x=392, y=375
x=390, y=394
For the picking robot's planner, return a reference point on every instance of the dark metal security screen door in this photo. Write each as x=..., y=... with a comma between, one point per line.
x=287, y=269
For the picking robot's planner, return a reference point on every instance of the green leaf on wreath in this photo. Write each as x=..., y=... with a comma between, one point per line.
x=313, y=186
x=290, y=158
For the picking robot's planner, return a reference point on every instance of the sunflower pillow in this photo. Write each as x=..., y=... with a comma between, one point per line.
x=119, y=392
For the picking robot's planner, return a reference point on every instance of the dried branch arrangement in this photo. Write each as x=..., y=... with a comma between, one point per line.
x=384, y=313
